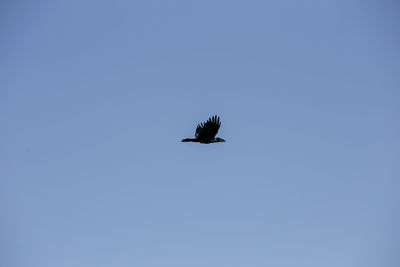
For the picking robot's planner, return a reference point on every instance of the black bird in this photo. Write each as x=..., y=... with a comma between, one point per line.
x=206, y=132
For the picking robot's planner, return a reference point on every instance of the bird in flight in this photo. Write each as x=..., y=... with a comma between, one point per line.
x=206, y=132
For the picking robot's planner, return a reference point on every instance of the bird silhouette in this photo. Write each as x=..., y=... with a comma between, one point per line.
x=206, y=132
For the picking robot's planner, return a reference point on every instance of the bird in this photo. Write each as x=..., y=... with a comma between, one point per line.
x=206, y=132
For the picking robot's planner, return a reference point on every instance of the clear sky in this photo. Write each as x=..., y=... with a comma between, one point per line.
x=95, y=97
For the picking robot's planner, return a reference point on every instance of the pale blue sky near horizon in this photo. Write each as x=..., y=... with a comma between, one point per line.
x=95, y=97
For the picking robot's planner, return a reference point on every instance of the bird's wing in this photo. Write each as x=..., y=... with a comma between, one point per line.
x=208, y=129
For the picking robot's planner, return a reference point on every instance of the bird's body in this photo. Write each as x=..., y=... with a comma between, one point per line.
x=206, y=132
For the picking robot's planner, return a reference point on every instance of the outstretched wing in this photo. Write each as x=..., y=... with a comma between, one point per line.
x=209, y=129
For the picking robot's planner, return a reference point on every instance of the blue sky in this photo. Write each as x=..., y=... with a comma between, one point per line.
x=96, y=96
